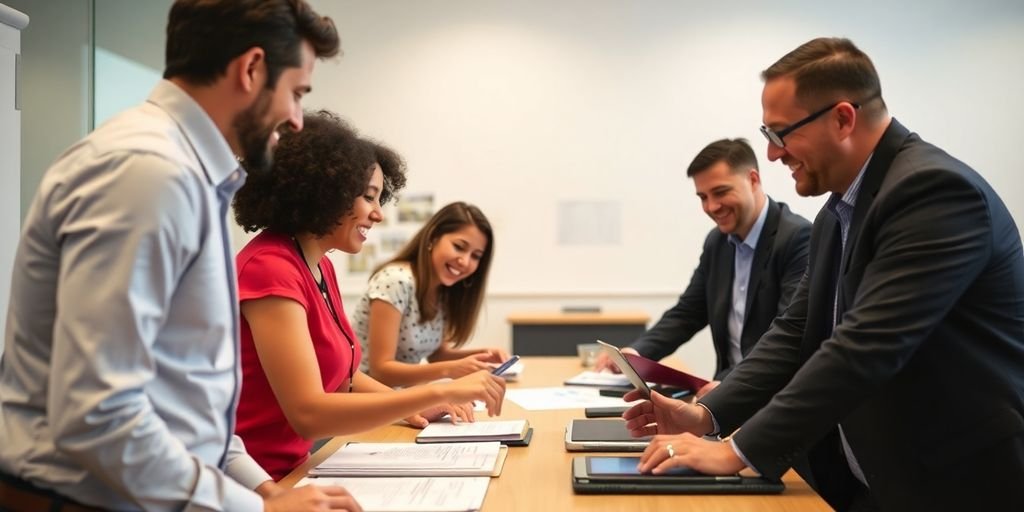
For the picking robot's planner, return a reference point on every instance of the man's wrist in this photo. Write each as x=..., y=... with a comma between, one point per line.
x=707, y=421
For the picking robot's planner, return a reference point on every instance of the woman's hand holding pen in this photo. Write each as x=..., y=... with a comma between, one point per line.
x=663, y=415
x=480, y=385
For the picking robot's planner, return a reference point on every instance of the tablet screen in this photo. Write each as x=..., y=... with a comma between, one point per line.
x=626, y=466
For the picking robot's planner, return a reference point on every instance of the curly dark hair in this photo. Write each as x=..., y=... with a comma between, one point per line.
x=316, y=177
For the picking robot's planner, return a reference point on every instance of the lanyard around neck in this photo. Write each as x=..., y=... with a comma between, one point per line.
x=322, y=286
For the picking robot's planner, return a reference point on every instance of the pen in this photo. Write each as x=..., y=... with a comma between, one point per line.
x=505, y=366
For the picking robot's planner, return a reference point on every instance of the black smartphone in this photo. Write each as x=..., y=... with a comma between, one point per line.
x=616, y=392
x=605, y=412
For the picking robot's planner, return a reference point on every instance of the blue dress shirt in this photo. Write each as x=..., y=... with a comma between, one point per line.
x=120, y=377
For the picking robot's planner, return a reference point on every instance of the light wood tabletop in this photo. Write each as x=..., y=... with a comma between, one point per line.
x=538, y=477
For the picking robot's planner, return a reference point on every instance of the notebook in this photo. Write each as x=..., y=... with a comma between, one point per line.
x=448, y=432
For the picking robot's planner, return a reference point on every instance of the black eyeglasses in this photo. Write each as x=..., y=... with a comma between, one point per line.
x=775, y=137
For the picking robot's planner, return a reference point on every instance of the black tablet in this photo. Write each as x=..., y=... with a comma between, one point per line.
x=604, y=435
x=618, y=475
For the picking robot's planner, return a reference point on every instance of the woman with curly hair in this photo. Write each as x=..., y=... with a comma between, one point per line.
x=425, y=301
x=300, y=358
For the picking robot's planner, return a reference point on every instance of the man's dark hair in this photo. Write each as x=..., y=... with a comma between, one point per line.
x=203, y=36
x=316, y=177
x=829, y=69
x=735, y=152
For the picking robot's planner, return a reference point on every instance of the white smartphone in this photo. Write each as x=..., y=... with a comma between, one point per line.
x=626, y=368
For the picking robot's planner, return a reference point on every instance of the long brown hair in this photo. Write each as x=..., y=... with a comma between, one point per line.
x=460, y=302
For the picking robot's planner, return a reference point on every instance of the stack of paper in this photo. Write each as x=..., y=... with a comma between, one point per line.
x=411, y=459
x=387, y=494
x=447, y=432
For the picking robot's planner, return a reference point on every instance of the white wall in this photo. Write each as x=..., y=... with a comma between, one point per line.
x=11, y=24
x=56, y=84
x=518, y=105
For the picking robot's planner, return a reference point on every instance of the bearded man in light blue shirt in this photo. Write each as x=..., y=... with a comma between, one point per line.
x=120, y=378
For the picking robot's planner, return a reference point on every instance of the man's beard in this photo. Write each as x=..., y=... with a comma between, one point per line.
x=254, y=136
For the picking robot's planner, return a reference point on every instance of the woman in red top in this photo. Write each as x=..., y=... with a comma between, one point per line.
x=300, y=358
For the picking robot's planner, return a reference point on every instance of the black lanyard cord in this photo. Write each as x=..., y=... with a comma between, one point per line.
x=322, y=285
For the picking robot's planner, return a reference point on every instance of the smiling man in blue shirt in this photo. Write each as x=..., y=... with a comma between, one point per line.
x=748, y=270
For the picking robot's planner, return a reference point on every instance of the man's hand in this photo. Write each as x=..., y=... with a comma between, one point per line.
x=663, y=415
x=710, y=457
x=311, y=498
x=706, y=388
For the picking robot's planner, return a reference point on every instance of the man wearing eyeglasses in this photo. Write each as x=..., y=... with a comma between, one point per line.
x=750, y=267
x=898, y=368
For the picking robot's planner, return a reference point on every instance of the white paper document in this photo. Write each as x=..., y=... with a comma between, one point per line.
x=411, y=459
x=479, y=431
x=540, y=399
x=608, y=379
x=413, y=494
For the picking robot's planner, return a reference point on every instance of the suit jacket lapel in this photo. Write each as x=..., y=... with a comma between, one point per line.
x=822, y=286
x=762, y=255
x=720, y=285
x=885, y=152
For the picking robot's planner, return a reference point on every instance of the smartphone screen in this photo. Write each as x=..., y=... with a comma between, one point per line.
x=626, y=466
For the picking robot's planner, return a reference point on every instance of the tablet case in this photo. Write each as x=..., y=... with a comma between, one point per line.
x=525, y=441
x=653, y=371
x=582, y=483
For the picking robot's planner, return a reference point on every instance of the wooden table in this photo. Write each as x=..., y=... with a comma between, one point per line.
x=538, y=477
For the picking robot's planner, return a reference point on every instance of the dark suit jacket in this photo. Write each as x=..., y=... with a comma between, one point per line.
x=780, y=259
x=925, y=370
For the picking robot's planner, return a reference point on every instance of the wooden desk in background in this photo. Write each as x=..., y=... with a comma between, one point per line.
x=557, y=334
x=537, y=477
